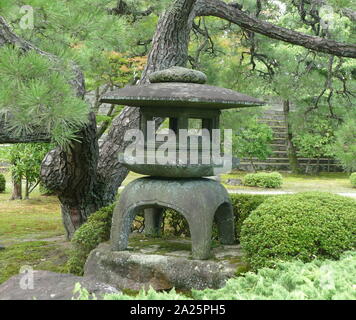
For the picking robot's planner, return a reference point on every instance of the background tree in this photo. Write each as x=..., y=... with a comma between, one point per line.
x=25, y=160
x=250, y=138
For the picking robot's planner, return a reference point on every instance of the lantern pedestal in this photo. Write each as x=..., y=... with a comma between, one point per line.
x=200, y=201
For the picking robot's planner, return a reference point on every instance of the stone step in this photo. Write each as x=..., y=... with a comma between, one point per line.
x=280, y=135
x=279, y=129
x=278, y=147
x=278, y=141
x=279, y=154
x=276, y=112
x=283, y=160
x=261, y=166
x=274, y=123
x=272, y=116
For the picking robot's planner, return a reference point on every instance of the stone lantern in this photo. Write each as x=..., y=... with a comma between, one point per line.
x=177, y=162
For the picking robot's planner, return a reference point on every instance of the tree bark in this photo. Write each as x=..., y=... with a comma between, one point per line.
x=27, y=190
x=16, y=190
x=72, y=175
x=291, y=149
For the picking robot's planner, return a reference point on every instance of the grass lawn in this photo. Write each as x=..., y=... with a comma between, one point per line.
x=33, y=234
x=328, y=182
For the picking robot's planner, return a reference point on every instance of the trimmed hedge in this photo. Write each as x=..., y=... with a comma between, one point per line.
x=300, y=226
x=263, y=180
x=97, y=228
x=2, y=183
x=353, y=179
x=317, y=280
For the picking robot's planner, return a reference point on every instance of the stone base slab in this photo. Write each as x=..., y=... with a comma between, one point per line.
x=137, y=270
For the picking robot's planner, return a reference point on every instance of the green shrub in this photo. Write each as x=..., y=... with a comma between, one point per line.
x=263, y=180
x=317, y=280
x=300, y=226
x=345, y=144
x=88, y=237
x=175, y=224
x=353, y=179
x=2, y=183
x=243, y=205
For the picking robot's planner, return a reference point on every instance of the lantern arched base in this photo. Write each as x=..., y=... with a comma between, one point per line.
x=200, y=201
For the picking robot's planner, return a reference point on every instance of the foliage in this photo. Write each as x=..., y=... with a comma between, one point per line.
x=299, y=226
x=73, y=31
x=2, y=183
x=175, y=224
x=25, y=159
x=353, y=179
x=250, y=139
x=243, y=205
x=314, y=138
x=316, y=280
x=345, y=145
x=150, y=294
x=37, y=94
x=263, y=180
x=88, y=237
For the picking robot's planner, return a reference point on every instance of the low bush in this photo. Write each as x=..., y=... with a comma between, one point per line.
x=317, y=280
x=2, y=183
x=353, y=179
x=243, y=205
x=263, y=180
x=97, y=228
x=88, y=237
x=300, y=226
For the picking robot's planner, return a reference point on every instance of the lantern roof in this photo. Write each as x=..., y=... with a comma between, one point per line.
x=174, y=90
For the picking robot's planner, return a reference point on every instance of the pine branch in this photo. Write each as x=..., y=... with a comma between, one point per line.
x=232, y=14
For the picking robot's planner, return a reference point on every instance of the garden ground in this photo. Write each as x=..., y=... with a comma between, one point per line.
x=334, y=182
x=32, y=231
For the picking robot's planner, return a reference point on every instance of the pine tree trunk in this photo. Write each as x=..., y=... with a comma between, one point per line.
x=291, y=149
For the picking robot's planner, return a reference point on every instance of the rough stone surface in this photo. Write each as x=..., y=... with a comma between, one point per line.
x=180, y=95
x=175, y=169
x=200, y=201
x=178, y=74
x=136, y=270
x=52, y=286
